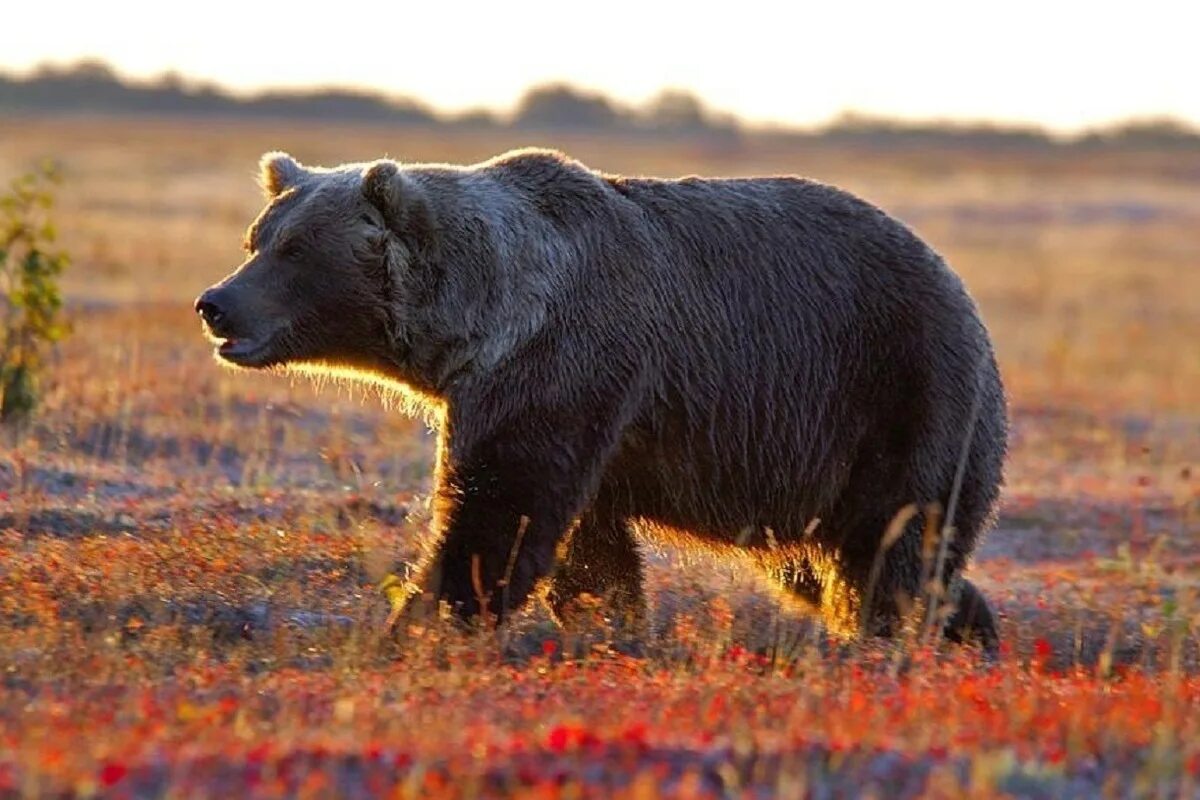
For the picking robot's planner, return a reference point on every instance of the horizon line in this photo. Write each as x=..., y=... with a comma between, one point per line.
x=750, y=123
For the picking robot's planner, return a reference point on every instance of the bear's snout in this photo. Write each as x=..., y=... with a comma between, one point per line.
x=210, y=306
x=237, y=328
x=225, y=312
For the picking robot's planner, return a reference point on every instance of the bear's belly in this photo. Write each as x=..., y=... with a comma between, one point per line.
x=695, y=495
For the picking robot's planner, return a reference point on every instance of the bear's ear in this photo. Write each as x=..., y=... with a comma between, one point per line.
x=278, y=171
x=382, y=187
x=401, y=201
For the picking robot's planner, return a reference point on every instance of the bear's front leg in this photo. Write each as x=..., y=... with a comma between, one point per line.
x=503, y=503
x=491, y=554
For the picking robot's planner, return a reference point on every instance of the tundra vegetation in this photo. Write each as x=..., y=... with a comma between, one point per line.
x=188, y=556
x=30, y=301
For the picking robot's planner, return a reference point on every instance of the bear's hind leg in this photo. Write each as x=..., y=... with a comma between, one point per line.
x=972, y=620
x=601, y=559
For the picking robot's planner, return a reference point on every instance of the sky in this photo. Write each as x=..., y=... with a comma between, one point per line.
x=1062, y=64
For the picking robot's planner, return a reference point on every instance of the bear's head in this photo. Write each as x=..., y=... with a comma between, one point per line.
x=333, y=272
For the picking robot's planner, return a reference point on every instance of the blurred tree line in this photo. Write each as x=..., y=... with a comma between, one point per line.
x=92, y=86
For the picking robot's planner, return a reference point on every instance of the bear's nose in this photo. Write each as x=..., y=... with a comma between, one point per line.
x=208, y=308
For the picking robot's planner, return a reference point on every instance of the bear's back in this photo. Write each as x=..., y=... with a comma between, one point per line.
x=803, y=339
x=794, y=335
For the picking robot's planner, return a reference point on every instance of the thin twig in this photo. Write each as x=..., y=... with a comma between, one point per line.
x=894, y=531
x=512, y=564
x=952, y=505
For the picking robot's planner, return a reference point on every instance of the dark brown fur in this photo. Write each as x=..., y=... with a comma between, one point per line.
x=735, y=361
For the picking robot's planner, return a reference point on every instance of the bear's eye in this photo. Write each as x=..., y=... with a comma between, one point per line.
x=289, y=250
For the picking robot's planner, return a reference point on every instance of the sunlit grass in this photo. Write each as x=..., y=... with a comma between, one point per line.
x=187, y=555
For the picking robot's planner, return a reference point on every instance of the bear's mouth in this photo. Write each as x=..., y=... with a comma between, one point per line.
x=246, y=352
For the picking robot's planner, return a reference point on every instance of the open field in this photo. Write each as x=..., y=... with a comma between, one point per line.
x=187, y=554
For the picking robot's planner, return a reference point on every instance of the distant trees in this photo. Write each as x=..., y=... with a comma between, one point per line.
x=93, y=86
x=870, y=130
x=676, y=110
x=1151, y=134
x=561, y=106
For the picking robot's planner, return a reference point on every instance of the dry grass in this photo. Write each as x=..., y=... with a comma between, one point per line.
x=186, y=554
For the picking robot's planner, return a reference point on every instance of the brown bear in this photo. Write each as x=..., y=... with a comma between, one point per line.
x=765, y=363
